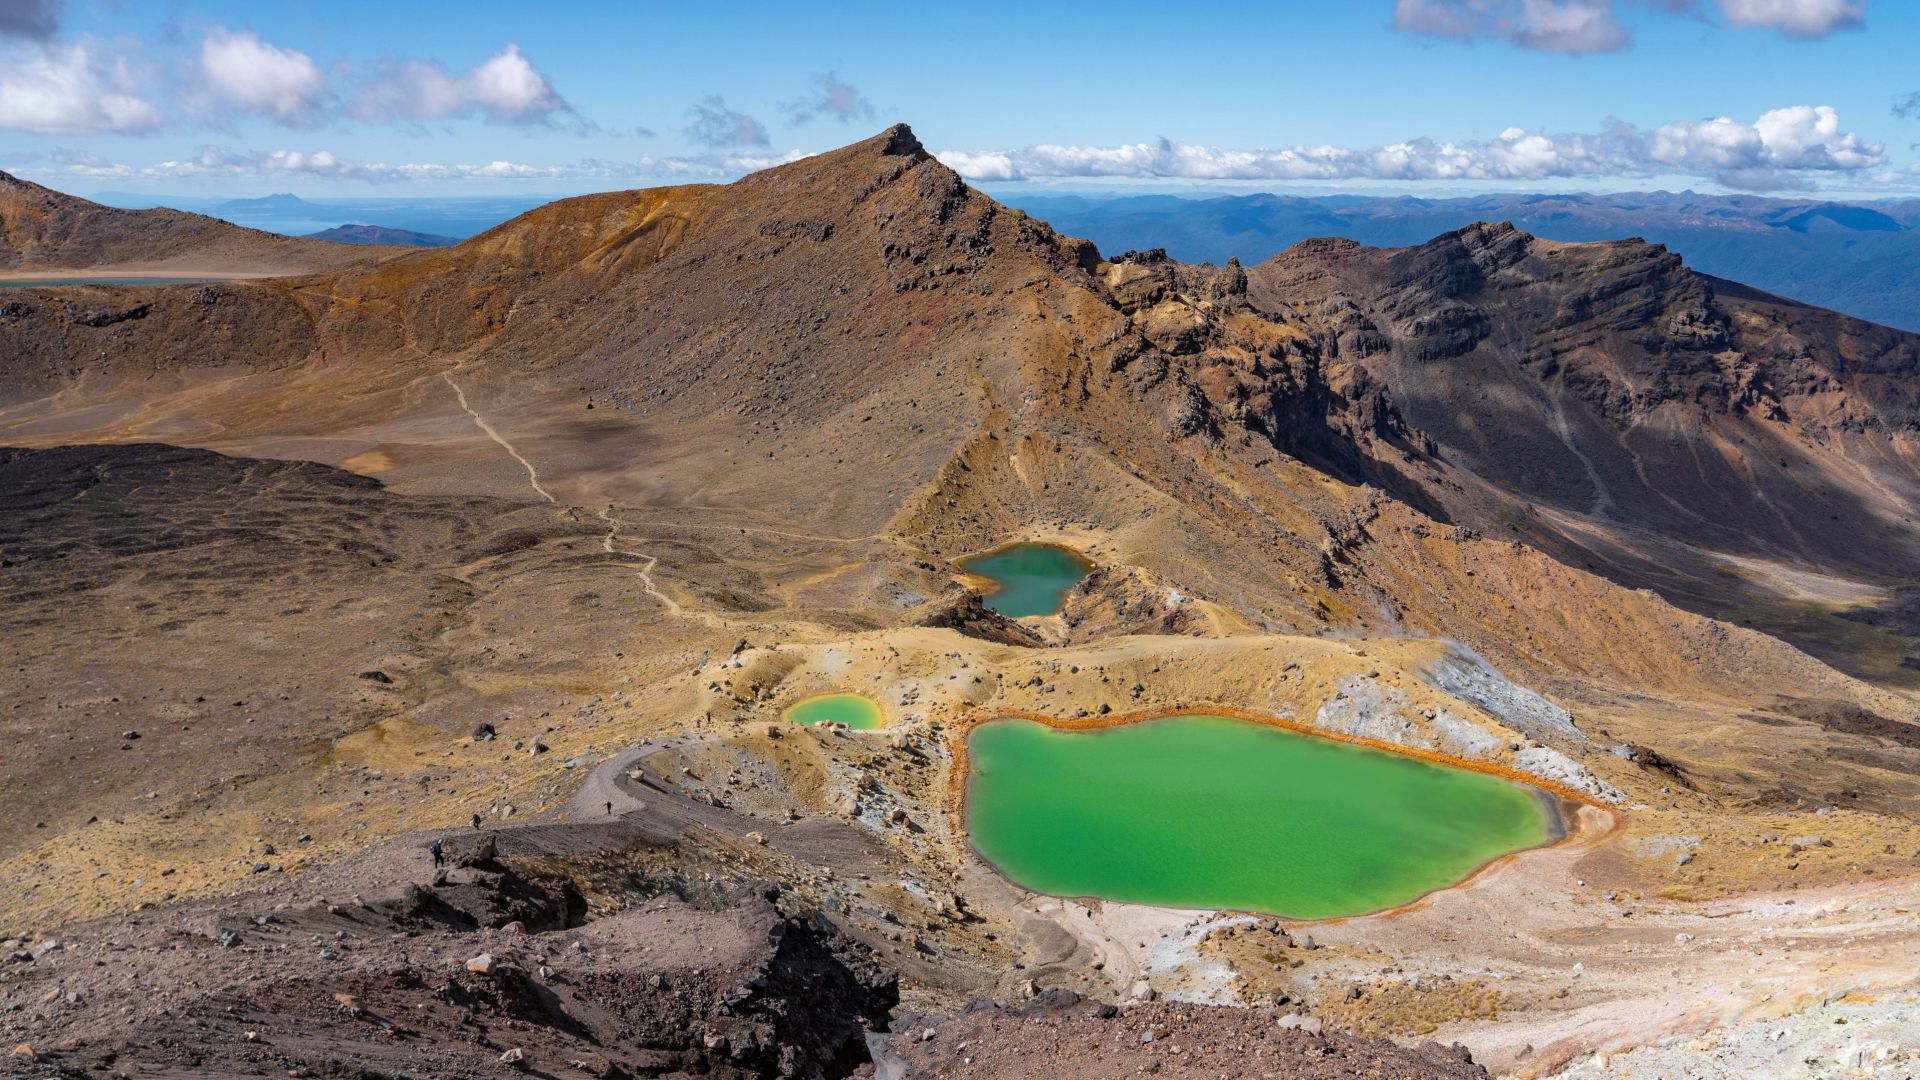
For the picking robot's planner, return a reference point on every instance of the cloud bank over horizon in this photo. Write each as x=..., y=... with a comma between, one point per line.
x=218, y=162
x=1784, y=149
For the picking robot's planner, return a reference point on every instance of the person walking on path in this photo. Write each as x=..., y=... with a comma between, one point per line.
x=609, y=807
x=439, y=854
x=476, y=821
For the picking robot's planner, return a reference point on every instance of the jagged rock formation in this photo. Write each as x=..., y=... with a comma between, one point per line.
x=1606, y=382
x=961, y=608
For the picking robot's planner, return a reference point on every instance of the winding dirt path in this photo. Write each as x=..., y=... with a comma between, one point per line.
x=674, y=607
x=533, y=475
x=765, y=530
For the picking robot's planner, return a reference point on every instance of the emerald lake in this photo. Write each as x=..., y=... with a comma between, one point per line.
x=1033, y=579
x=859, y=713
x=1209, y=812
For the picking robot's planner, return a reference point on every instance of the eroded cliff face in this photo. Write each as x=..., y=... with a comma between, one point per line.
x=1589, y=399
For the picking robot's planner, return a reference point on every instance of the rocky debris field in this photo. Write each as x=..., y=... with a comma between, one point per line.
x=1059, y=1036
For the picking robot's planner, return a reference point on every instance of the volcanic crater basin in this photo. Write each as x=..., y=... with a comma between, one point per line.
x=1208, y=812
x=857, y=711
x=1028, y=579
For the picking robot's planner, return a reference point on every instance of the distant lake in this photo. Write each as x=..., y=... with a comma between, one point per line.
x=458, y=217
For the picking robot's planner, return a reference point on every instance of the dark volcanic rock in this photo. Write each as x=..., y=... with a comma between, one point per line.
x=386, y=990
x=961, y=608
x=1058, y=1037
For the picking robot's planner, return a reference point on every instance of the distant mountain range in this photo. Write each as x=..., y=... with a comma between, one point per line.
x=1860, y=259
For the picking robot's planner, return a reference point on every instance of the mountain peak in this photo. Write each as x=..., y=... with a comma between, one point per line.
x=901, y=141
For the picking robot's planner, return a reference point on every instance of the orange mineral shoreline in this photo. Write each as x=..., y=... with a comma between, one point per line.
x=1579, y=830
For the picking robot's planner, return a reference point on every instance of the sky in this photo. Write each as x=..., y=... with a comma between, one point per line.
x=354, y=98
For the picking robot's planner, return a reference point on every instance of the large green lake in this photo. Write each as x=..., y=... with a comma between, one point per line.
x=853, y=710
x=1033, y=579
x=1209, y=812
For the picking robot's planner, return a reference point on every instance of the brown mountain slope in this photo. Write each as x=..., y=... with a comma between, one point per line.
x=42, y=230
x=865, y=320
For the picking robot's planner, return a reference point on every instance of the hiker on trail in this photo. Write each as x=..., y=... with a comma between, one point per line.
x=609, y=807
x=439, y=854
x=476, y=821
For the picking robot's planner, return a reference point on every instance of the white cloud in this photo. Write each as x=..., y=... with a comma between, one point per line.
x=67, y=90
x=506, y=89
x=1801, y=138
x=830, y=97
x=1575, y=26
x=1569, y=26
x=1587, y=26
x=239, y=71
x=711, y=123
x=216, y=161
x=1796, y=18
x=1784, y=146
x=1809, y=137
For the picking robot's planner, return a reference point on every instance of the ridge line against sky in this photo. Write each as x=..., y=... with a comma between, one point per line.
x=1418, y=95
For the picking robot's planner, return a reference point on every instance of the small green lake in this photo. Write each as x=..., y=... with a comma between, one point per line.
x=1033, y=579
x=859, y=713
x=1209, y=812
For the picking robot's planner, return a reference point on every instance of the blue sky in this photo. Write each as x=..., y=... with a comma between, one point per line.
x=1432, y=96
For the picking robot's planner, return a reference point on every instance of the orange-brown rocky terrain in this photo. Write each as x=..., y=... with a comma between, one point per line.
x=537, y=534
